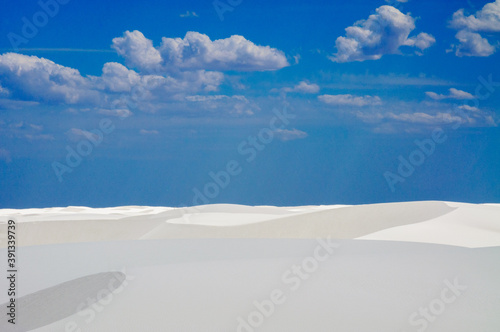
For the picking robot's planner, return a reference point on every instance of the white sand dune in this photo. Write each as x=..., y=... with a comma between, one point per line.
x=415, y=266
x=460, y=224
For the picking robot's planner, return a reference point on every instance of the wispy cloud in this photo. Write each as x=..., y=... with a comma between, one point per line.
x=120, y=112
x=387, y=81
x=289, y=135
x=76, y=134
x=350, y=100
x=189, y=14
x=302, y=87
x=5, y=155
x=148, y=132
x=453, y=94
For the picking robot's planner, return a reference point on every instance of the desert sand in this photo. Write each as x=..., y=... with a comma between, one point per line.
x=415, y=266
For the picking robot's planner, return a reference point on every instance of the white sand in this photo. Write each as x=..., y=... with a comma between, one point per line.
x=460, y=224
x=205, y=268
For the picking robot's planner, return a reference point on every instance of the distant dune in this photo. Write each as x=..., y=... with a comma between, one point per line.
x=459, y=224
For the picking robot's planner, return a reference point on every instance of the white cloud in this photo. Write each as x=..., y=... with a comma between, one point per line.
x=303, y=87
x=487, y=19
x=236, y=104
x=24, y=130
x=425, y=118
x=39, y=137
x=454, y=94
x=422, y=41
x=469, y=108
x=370, y=81
x=30, y=78
x=76, y=134
x=195, y=52
x=350, y=100
x=472, y=44
x=38, y=79
x=138, y=51
x=117, y=78
x=289, y=135
x=214, y=97
x=148, y=132
x=119, y=112
x=415, y=117
x=382, y=33
x=189, y=14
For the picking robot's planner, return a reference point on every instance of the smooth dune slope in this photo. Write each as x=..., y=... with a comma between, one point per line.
x=468, y=225
x=414, y=266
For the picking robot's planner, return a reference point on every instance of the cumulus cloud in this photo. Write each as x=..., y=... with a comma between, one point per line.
x=117, y=78
x=472, y=43
x=454, y=94
x=38, y=79
x=350, y=100
x=422, y=41
x=196, y=51
x=34, y=79
x=163, y=75
x=138, y=51
x=382, y=33
x=303, y=87
x=289, y=135
x=487, y=19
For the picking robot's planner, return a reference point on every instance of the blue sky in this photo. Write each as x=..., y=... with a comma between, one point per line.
x=252, y=102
